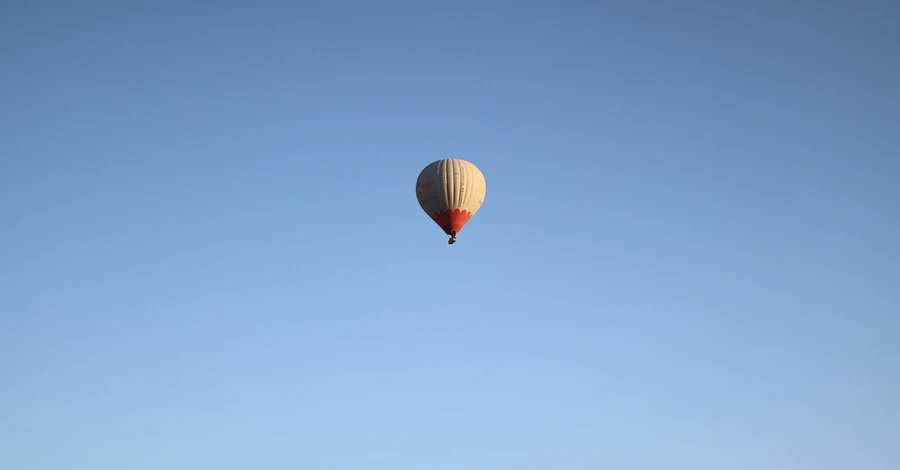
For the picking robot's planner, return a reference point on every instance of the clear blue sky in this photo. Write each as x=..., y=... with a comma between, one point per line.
x=211, y=254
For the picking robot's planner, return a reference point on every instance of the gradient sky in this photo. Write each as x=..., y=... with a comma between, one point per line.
x=211, y=254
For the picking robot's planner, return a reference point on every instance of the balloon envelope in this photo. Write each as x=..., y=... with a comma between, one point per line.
x=451, y=191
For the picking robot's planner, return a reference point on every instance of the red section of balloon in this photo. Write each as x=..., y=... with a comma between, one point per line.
x=451, y=221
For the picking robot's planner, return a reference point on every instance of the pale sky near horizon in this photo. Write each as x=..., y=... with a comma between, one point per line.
x=211, y=254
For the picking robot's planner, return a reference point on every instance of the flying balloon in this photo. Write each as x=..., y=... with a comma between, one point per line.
x=451, y=191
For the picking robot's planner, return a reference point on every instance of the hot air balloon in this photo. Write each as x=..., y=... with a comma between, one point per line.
x=450, y=191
